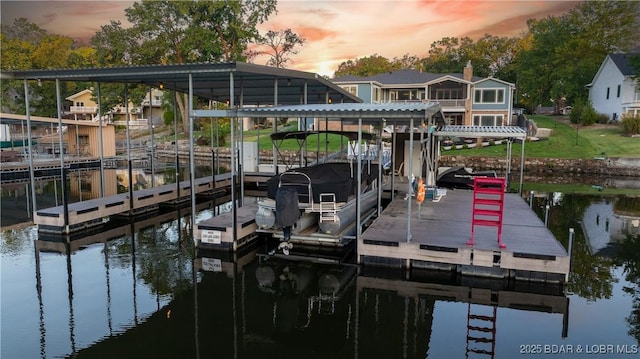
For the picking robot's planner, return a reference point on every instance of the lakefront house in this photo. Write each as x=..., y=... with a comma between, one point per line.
x=465, y=99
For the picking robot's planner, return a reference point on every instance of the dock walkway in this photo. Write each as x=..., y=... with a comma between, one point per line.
x=89, y=213
x=441, y=230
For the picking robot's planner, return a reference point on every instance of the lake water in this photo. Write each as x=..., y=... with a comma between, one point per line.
x=140, y=290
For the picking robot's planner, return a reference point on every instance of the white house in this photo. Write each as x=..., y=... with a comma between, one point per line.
x=613, y=91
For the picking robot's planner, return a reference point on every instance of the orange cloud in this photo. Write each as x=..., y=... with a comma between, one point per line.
x=516, y=25
x=315, y=33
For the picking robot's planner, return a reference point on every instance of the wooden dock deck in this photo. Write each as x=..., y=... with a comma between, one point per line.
x=93, y=212
x=441, y=230
x=217, y=232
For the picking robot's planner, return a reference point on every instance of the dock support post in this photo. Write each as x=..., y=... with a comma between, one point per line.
x=63, y=174
x=175, y=136
x=410, y=185
x=192, y=163
x=129, y=162
x=359, y=179
x=233, y=119
x=100, y=142
x=546, y=216
x=30, y=144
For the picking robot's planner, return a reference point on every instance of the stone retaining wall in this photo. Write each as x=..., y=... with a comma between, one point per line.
x=608, y=166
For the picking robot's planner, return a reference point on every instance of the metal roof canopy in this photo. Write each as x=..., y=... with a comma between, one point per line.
x=509, y=132
x=400, y=112
x=252, y=84
x=482, y=131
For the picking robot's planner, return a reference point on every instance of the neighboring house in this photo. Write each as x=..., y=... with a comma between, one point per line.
x=465, y=99
x=613, y=91
x=83, y=107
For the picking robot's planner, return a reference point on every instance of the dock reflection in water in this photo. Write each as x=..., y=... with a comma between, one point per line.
x=141, y=290
x=159, y=303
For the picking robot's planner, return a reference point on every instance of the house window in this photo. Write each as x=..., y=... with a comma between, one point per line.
x=454, y=119
x=377, y=94
x=618, y=91
x=351, y=89
x=407, y=95
x=448, y=94
x=83, y=140
x=80, y=104
x=488, y=120
x=393, y=95
x=608, y=90
x=488, y=96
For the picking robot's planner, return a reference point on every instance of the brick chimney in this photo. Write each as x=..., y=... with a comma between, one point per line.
x=467, y=73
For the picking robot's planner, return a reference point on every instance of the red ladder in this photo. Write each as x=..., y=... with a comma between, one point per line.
x=488, y=205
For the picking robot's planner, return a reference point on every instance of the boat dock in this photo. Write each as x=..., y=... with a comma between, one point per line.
x=440, y=232
x=218, y=232
x=78, y=216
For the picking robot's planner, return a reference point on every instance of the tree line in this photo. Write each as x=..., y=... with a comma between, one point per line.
x=550, y=63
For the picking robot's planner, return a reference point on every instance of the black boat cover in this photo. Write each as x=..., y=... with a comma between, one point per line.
x=325, y=178
x=460, y=177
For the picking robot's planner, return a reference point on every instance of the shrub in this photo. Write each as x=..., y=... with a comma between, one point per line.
x=631, y=124
x=583, y=113
x=602, y=118
x=576, y=112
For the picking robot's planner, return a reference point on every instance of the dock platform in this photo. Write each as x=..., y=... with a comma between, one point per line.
x=217, y=232
x=94, y=212
x=440, y=232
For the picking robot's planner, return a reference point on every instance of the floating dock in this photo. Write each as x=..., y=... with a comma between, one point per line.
x=218, y=232
x=440, y=232
x=94, y=212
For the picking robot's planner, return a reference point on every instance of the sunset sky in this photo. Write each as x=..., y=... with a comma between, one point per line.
x=335, y=31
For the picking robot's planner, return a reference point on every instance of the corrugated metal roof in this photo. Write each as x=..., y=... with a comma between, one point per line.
x=393, y=110
x=482, y=131
x=253, y=84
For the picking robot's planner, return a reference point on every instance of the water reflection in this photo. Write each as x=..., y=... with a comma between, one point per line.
x=80, y=186
x=141, y=290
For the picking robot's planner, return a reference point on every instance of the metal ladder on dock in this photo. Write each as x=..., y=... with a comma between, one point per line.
x=328, y=208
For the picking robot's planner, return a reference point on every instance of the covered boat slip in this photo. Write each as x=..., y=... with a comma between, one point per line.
x=366, y=192
x=440, y=232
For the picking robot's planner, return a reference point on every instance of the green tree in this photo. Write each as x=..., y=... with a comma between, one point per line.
x=279, y=46
x=176, y=32
x=444, y=57
x=365, y=66
x=566, y=51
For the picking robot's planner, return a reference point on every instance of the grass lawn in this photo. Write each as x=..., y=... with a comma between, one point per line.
x=574, y=188
x=567, y=142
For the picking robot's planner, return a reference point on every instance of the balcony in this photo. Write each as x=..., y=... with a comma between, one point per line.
x=154, y=103
x=83, y=109
x=458, y=104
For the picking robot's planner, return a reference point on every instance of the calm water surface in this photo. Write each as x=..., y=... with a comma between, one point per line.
x=140, y=290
